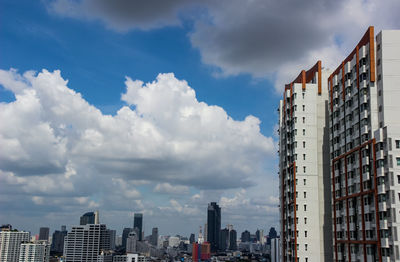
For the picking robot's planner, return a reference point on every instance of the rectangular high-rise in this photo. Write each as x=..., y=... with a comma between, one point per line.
x=85, y=242
x=138, y=225
x=304, y=168
x=10, y=244
x=364, y=122
x=34, y=251
x=44, y=233
x=213, y=225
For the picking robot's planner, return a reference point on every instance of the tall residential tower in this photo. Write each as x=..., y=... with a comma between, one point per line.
x=364, y=122
x=304, y=168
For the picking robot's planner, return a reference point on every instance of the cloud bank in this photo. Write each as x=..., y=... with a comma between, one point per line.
x=60, y=152
x=266, y=39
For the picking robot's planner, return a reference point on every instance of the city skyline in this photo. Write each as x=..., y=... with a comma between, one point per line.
x=145, y=116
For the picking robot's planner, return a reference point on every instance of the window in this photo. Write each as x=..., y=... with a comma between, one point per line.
x=304, y=108
x=304, y=169
x=305, y=194
x=297, y=207
x=297, y=194
x=398, y=161
x=397, y=143
x=305, y=207
x=304, y=120
x=297, y=220
x=304, y=156
x=305, y=233
x=304, y=133
x=304, y=181
x=304, y=144
x=305, y=246
x=305, y=220
x=303, y=95
x=380, y=108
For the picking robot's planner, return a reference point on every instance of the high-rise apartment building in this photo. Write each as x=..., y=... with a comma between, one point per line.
x=364, y=122
x=275, y=250
x=44, y=233
x=38, y=251
x=112, y=234
x=304, y=159
x=138, y=225
x=84, y=243
x=213, y=225
x=10, y=244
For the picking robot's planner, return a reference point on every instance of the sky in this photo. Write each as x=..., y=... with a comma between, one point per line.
x=158, y=107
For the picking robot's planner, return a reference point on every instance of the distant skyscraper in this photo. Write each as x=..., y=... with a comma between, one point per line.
x=44, y=233
x=213, y=225
x=125, y=234
x=85, y=242
x=191, y=238
x=223, y=239
x=97, y=217
x=131, y=242
x=205, y=232
x=272, y=234
x=87, y=218
x=154, y=236
x=10, y=244
x=232, y=240
x=34, y=251
x=57, y=244
x=245, y=236
x=138, y=224
x=112, y=238
x=200, y=237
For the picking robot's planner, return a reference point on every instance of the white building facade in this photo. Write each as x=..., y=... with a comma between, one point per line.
x=34, y=252
x=305, y=207
x=10, y=244
x=364, y=122
x=275, y=250
x=84, y=243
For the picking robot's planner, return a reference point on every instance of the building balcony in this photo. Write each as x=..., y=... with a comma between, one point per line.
x=381, y=189
x=385, y=242
x=383, y=224
x=382, y=206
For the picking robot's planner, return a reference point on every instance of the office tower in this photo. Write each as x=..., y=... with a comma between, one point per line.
x=44, y=233
x=213, y=225
x=275, y=250
x=272, y=234
x=137, y=224
x=191, y=238
x=365, y=149
x=131, y=242
x=223, y=239
x=305, y=207
x=232, y=240
x=112, y=234
x=10, y=244
x=87, y=218
x=57, y=244
x=154, y=236
x=125, y=234
x=245, y=236
x=34, y=251
x=85, y=242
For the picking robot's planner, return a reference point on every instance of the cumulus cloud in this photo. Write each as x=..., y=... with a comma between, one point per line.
x=55, y=144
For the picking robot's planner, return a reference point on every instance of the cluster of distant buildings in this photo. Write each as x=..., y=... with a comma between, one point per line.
x=91, y=241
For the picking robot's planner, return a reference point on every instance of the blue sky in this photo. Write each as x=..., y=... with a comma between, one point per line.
x=95, y=60
x=137, y=139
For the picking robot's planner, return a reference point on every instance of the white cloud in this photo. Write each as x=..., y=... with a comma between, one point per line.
x=63, y=154
x=170, y=189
